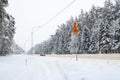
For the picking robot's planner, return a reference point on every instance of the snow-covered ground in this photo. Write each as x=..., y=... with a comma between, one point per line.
x=24, y=67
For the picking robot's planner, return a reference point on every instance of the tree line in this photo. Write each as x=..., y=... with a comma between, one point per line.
x=99, y=31
x=7, y=30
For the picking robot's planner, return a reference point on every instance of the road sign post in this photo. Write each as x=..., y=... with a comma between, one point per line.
x=75, y=32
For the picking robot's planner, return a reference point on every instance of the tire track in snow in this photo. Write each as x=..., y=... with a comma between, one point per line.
x=62, y=72
x=31, y=71
x=53, y=71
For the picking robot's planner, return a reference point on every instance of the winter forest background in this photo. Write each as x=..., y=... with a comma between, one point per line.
x=7, y=31
x=99, y=31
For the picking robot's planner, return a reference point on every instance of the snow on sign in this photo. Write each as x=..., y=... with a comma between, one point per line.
x=75, y=28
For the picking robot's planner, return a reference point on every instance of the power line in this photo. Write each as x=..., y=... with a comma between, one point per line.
x=47, y=22
x=54, y=16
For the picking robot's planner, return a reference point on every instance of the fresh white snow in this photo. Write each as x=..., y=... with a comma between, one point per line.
x=24, y=67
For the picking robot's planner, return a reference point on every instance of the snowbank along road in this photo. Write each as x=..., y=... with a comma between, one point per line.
x=26, y=67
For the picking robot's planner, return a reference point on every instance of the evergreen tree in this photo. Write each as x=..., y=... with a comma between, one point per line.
x=7, y=29
x=99, y=31
x=105, y=44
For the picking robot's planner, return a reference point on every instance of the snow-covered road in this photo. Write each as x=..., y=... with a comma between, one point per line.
x=24, y=67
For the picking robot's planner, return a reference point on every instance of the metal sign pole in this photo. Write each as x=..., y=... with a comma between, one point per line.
x=75, y=32
x=76, y=56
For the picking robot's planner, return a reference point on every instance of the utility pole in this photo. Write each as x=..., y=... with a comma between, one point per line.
x=32, y=41
x=24, y=48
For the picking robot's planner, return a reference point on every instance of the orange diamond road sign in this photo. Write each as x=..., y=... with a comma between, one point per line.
x=75, y=28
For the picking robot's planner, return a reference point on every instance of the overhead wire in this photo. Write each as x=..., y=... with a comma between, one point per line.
x=47, y=22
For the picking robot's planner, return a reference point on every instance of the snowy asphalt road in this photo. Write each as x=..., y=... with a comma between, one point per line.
x=24, y=67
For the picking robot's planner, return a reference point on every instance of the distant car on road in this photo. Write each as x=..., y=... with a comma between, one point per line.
x=42, y=54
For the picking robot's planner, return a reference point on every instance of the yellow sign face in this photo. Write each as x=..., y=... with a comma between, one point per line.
x=75, y=28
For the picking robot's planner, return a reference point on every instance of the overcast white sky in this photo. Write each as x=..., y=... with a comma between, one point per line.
x=32, y=13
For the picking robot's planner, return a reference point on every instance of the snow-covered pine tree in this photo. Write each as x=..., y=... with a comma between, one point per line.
x=81, y=31
x=116, y=26
x=99, y=31
x=55, y=40
x=85, y=36
x=68, y=32
x=95, y=30
x=3, y=3
x=60, y=39
x=94, y=20
x=7, y=29
x=105, y=41
x=16, y=49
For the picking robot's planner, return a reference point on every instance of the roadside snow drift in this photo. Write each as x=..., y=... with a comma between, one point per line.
x=24, y=67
